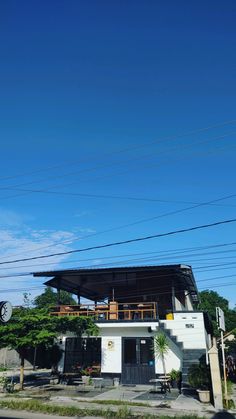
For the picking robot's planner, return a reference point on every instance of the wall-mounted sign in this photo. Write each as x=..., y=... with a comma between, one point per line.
x=189, y=325
x=5, y=311
x=220, y=317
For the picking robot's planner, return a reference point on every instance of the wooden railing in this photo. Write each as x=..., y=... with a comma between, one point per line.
x=110, y=311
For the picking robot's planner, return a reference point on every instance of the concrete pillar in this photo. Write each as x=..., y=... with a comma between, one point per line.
x=173, y=298
x=215, y=376
x=188, y=302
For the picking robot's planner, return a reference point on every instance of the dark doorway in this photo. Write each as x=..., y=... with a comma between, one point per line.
x=81, y=353
x=138, y=366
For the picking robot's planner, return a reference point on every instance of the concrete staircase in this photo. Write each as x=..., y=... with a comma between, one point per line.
x=169, y=333
x=190, y=357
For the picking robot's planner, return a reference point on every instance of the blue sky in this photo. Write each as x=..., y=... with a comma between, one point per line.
x=121, y=99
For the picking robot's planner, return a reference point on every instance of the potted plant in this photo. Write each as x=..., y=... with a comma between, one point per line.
x=199, y=378
x=86, y=375
x=175, y=378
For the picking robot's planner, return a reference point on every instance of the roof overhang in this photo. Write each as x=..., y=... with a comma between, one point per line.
x=96, y=284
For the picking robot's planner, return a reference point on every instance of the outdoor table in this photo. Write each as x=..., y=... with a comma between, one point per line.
x=163, y=382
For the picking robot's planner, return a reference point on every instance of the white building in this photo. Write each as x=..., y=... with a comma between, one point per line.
x=130, y=305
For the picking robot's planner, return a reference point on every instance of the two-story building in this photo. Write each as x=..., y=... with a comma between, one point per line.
x=130, y=305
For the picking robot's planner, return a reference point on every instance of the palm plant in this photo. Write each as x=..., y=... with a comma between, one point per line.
x=161, y=348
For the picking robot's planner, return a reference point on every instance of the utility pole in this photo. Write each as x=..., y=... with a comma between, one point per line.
x=220, y=317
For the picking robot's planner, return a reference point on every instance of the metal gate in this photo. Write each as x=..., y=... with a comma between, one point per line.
x=81, y=353
x=138, y=366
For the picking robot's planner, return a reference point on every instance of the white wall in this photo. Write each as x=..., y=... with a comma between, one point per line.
x=173, y=360
x=188, y=301
x=62, y=344
x=112, y=353
x=189, y=329
x=178, y=305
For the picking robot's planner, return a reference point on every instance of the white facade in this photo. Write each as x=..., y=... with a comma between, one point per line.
x=187, y=327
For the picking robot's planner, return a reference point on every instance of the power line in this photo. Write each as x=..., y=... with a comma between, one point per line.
x=119, y=197
x=160, y=255
x=15, y=187
x=137, y=239
x=135, y=223
x=131, y=148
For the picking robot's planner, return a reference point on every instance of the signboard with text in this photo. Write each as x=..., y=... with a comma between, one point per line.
x=220, y=318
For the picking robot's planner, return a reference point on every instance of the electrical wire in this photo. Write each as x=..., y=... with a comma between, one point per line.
x=120, y=197
x=156, y=258
x=130, y=148
x=133, y=223
x=15, y=187
x=118, y=243
x=160, y=255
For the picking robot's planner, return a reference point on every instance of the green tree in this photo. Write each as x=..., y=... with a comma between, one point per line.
x=49, y=298
x=209, y=301
x=161, y=348
x=230, y=345
x=29, y=328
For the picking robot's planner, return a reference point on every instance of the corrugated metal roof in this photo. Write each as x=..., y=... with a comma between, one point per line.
x=96, y=283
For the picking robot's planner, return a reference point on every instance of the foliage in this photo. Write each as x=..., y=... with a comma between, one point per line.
x=29, y=328
x=87, y=371
x=228, y=403
x=199, y=376
x=93, y=371
x=209, y=301
x=73, y=411
x=27, y=302
x=7, y=384
x=161, y=348
x=175, y=375
x=49, y=298
x=230, y=345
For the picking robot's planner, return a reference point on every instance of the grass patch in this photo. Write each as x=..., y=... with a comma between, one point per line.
x=119, y=403
x=38, y=406
x=124, y=412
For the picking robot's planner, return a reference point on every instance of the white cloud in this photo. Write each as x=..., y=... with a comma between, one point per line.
x=23, y=243
x=18, y=241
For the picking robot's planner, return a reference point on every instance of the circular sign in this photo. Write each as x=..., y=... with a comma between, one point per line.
x=5, y=311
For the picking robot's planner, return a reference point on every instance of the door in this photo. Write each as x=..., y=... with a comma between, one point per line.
x=138, y=366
